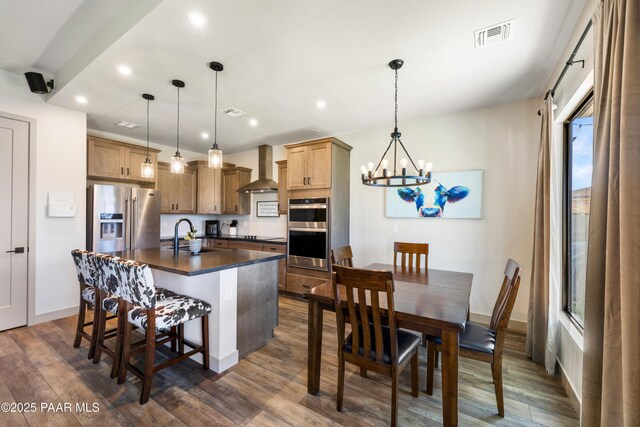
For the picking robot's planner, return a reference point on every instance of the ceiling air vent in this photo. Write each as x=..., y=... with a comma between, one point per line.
x=127, y=125
x=494, y=34
x=233, y=112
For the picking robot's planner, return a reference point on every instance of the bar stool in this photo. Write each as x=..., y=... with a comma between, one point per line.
x=138, y=305
x=88, y=277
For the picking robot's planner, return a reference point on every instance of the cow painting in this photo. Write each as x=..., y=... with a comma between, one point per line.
x=431, y=201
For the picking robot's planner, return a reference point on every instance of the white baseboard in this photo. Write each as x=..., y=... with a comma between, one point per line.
x=53, y=315
x=576, y=401
x=514, y=325
x=222, y=364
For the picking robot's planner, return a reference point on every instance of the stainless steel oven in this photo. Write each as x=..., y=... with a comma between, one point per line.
x=308, y=240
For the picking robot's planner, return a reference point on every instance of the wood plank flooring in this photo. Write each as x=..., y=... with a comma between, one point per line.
x=267, y=388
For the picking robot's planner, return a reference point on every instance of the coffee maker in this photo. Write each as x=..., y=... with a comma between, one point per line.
x=212, y=227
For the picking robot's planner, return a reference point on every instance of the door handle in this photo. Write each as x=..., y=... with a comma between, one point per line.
x=19, y=250
x=177, y=206
x=172, y=206
x=304, y=181
x=121, y=170
x=127, y=171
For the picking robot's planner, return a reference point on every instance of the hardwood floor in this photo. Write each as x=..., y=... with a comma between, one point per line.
x=267, y=388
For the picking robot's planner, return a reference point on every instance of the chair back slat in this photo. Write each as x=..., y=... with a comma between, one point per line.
x=503, y=321
x=342, y=256
x=411, y=255
x=371, y=283
x=511, y=273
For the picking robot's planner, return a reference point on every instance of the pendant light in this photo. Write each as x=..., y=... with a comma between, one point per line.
x=147, y=169
x=215, y=153
x=369, y=172
x=177, y=161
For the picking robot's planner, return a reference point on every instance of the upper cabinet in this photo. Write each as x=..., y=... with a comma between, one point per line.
x=117, y=161
x=283, y=194
x=232, y=201
x=177, y=190
x=310, y=164
x=210, y=188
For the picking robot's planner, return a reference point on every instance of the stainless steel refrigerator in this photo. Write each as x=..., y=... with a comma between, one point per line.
x=122, y=218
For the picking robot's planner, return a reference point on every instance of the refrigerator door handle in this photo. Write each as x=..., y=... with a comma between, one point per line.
x=127, y=232
x=134, y=217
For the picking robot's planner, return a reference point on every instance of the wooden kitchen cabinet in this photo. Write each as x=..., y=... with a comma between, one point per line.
x=216, y=243
x=209, y=187
x=232, y=201
x=118, y=161
x=283, y=193
x=177, y=191
x=309, y=165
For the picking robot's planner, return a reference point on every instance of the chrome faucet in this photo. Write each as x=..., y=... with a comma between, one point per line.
x=175, y=235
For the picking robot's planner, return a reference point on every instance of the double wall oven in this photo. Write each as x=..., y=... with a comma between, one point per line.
x=308, y=243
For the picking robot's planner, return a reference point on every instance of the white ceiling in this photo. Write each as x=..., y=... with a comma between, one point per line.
x=281, y=56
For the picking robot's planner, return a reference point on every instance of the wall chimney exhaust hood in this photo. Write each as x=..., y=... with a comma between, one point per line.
x=265, y=182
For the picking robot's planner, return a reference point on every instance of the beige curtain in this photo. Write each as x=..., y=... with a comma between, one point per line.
x=611, y=369
x=538, y=317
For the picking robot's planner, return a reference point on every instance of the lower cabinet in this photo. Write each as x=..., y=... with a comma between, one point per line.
x=282, y=264
x=298, y=284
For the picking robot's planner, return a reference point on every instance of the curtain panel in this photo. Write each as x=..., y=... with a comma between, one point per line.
x=611, y=367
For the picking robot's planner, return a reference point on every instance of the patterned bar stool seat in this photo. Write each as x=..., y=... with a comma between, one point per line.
x=139, y=305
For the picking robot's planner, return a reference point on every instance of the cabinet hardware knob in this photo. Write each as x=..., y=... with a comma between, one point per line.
x=177, y=207
x=127, y=171
x=121, y=170
x=304, y=181
x=309, y=180
x=172, y=206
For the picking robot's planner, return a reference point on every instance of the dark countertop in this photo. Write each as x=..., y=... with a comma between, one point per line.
x=241, y=237
x=209, y=261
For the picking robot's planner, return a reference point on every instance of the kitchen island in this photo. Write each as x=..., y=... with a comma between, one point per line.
x=241, y=286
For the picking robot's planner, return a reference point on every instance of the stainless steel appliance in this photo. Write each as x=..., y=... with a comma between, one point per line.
x=212, y=227
x=308, y=242
x=121, y=218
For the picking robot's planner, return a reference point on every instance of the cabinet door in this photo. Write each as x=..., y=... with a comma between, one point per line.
x=105, y=159
x=297, y=168
x=283, y=194
x=133, y=162
x=230, y=195
x=319, y=165
x=165, y=185
x=184, y=190
x=209, y=190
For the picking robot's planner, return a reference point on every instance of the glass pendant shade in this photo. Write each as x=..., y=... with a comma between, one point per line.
x=215, y=158
x=147, y=169
x=177, y=163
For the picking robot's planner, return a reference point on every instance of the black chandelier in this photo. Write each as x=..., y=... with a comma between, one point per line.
x=381, y=178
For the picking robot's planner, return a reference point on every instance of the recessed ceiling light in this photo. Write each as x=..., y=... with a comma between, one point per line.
x=81, y=100
x=253, y=122
x=320, y=104
x=197, y=19
x=204, y=135
x=124, y=70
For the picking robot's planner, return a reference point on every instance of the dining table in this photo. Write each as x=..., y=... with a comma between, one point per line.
x=429, y=301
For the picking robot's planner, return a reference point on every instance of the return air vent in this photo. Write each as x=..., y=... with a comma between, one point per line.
x=127, y=125
x=494, y=34
x=233, y=112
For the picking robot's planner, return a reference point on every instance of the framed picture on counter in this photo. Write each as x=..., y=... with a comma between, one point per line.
x=267, y=209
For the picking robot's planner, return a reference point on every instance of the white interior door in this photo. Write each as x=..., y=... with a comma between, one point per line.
x=14, y=197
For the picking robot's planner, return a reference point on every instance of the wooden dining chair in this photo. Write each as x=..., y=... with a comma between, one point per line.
x=342, y=256
x=375, y=342
x=138, y=305
x=411, y=255
x=485, y=343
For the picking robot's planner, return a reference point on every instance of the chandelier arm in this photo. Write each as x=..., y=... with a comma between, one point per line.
x=408, y=155
x=382, y=158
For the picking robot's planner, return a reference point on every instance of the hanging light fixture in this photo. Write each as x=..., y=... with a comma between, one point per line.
x=177, y=161
x=215, y=153
x=147, y=169
x=372, y=175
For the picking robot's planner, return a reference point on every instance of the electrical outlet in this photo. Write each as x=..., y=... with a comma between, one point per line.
x=228, y=295
x=394, y=228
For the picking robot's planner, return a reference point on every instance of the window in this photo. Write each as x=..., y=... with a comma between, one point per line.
x=577, y=195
